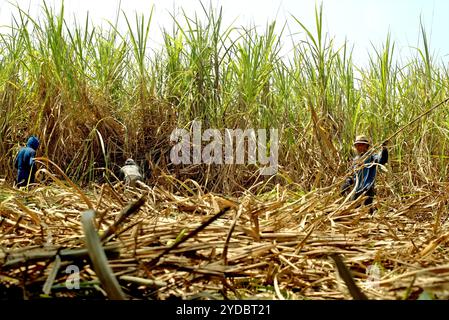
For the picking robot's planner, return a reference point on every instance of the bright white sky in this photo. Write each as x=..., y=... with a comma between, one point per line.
x=361, y=22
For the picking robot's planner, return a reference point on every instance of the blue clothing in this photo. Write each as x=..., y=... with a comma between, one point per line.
x=366, y=175
x=24, y=162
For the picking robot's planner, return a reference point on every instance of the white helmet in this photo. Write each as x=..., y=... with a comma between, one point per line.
x=129, y=162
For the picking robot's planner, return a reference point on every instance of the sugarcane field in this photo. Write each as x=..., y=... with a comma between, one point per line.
x=213, y=165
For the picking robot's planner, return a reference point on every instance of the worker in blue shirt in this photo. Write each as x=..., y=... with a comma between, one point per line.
x=365, y=174
x=24, y=162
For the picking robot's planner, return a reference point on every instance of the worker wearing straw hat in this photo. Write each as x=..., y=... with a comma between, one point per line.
x=130, y=173
x=365, y=175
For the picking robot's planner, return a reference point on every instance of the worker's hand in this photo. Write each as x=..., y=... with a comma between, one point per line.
x=385, y=143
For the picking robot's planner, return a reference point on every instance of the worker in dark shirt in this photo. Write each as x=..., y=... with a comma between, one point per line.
x=24, y=162
x=364, y=175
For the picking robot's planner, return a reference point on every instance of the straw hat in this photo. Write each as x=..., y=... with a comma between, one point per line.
x=361, y=140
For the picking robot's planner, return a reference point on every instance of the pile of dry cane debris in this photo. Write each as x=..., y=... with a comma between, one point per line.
x=152, y=244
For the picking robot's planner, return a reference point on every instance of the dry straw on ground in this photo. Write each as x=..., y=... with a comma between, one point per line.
x=204, y=246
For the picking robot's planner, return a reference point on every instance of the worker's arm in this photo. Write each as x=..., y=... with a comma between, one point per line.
x=16, y=162
x=121, y=174
x=32, y=155
x=384, y=155
x=382, y=158
x=347, y=185
x=32, y=162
